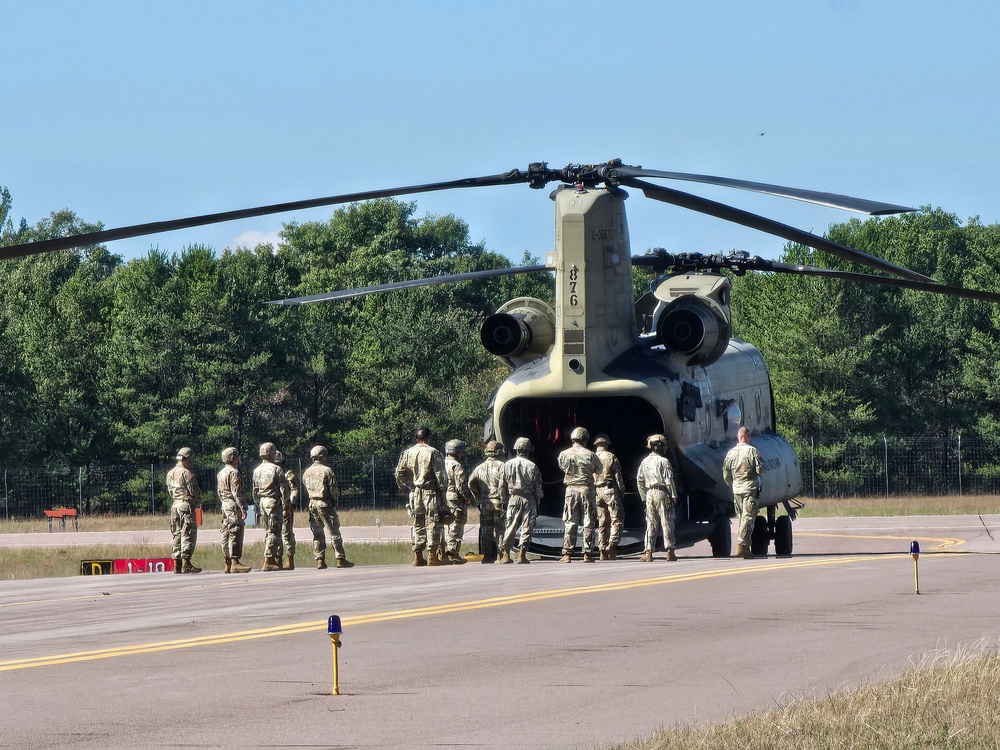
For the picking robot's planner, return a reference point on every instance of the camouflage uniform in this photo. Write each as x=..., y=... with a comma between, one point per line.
x=421, y=473
x=268, y=483
x=580, y=465
x=742, y=468
x=290, y=501
x=229, y=484
x=610, y=508
x=659, y=492
x=324, y=493
x=484, y=484
x=459, y=498
x=185, y=494
x=520, y=490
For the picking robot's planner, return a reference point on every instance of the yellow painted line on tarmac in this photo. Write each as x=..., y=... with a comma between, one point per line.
x=439, y=609
x=944, y=544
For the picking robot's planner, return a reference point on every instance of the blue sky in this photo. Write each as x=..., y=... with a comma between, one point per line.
x=128, y=112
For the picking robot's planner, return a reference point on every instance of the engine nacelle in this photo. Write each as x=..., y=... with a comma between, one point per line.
x=692, y=316
x=520, y=331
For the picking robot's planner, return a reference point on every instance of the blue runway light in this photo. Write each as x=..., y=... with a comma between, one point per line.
x=333, y=624
x=914, y=548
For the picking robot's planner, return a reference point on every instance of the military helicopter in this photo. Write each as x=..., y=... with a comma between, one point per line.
x=599, y=359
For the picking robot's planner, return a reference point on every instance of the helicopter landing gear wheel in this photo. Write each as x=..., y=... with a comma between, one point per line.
x=783, y=536
x=759, y=539
x=721, y=538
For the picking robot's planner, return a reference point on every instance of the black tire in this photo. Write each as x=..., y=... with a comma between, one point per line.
x=783, y=536
x=759, y=540
x=721, y=537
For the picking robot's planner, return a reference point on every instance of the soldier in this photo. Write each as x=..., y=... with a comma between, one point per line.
x=659, y=493
x=268, y=481
x=321, y=486
x=289, y=502
x=421, y=473
x=742, y=469
x=579, y=465
x=610, y=493
x=484, y=484
x=458, y=496
x=229, y=485
x=182, y=485
x=520, y=490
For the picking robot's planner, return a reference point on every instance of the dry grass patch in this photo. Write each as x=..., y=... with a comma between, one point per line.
x=903, y=505
x=948, y=700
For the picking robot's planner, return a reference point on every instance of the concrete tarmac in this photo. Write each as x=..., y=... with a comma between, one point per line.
x=486, y=656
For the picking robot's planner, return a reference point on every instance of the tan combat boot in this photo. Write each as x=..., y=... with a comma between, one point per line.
x=522, y=556
x=505, y=557
x=587, y=557
x=566, y=557
x=278, y=560
x=743, y=552
x=604, y=554
x=238, y=567
x=613, y=552
x=270, y=563
x=187, y=567
x=229, y=565
x=321, y=563
x=177, y=567
x=418, y=559
x=671, y=557
x=647, y=556
x=291, y=563
x=456, y=558
x=343, y=562
x=433, y=560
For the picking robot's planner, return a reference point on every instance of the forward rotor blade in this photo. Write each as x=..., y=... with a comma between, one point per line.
x=920, y=286
x=754, y=221
x=398, y=285
x=833, y=200
x=156, y=227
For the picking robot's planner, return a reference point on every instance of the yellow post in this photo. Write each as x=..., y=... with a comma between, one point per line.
x=335, y=640
x=915, y=551
x=334, y=630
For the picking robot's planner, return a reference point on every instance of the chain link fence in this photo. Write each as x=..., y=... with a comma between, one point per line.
x=831, y=467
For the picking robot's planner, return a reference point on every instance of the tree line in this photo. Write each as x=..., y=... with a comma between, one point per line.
x=105, y=361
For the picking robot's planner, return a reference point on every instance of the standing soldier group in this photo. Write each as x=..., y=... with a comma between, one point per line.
x=507, y=494
x=275, y=491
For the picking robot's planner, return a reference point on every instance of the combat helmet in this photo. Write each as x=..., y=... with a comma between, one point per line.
x=602, y=439
x=454, y=447
x=185, y=453
x=317, y=451
x=580, y=434
x=229, y=455
x=653, y=440
x=523, y=445
x=268, y=450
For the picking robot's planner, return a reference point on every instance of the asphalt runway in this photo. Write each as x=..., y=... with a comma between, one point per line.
x=485, y=656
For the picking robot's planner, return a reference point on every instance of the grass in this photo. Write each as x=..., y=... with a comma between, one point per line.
x=903, y=505
x=948, y=700
x=49, y=562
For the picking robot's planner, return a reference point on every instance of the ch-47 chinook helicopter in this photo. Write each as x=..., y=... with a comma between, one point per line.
x=602, y=360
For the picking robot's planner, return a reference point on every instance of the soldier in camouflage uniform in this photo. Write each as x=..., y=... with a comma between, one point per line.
x=659, y=494
x=268, y=481
x=484, y=484
x=321, y=486
x=610, y=493
x=458, y=496
x=520, y=490
x=742, y=469
x=579, y=465
x=185, y=494
x=229, y=485
x=420, y=472
x=289, y=502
